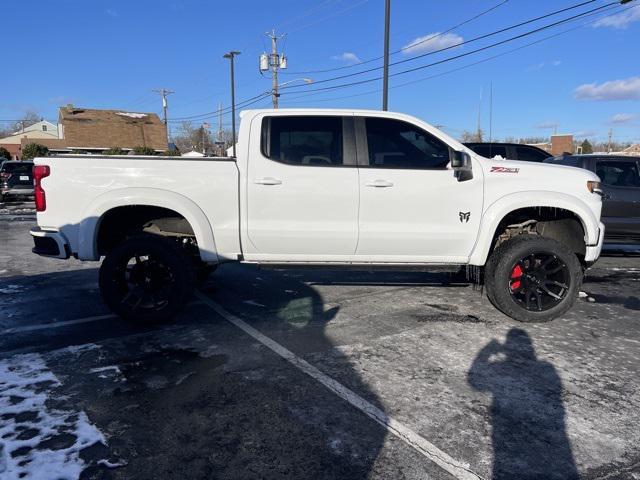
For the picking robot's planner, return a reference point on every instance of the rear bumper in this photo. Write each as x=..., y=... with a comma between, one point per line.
x=593, y=252
x=50, y=244
x=17, y=191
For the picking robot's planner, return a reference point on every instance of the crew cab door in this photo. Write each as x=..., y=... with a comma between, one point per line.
x=413, y=208
x=621, y=200
x=302, y=189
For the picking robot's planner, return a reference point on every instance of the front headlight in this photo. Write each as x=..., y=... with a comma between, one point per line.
x=594, y=187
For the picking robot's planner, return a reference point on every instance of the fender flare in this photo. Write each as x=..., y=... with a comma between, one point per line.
x=152, y=197
x=499, y=209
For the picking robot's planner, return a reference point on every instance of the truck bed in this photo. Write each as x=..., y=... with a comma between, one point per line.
x=80, y=188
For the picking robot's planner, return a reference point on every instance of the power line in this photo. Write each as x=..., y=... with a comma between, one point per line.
x=402, y=72
x=481, y=37
x=404, y=48
x=469, y=65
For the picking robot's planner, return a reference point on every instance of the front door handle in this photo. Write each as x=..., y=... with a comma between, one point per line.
x=379, y=183
x=267, y=181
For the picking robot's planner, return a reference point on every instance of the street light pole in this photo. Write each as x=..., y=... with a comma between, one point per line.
x=231, y=55
x=385, y=74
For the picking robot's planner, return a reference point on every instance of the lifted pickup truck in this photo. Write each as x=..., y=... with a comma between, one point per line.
x=335, y=188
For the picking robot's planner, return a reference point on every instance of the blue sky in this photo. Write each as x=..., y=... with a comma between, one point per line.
x=112, y=53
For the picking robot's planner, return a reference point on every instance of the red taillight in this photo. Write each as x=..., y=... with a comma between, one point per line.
x=39, y=172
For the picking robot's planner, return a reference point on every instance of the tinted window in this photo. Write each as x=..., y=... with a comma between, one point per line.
x=530, y=154
x=315, y=141
x=618, y=174
x=20, y=167
x=567, y=161
x=397, y=144
x=490, y=151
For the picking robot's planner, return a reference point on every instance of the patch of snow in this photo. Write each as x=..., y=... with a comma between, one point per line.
x=582, y=294
x=78, y=349
x=109, y=464
x=115, y=368
x=10, y=289
x=131, y=114
x=253, y=302
x=28, y=426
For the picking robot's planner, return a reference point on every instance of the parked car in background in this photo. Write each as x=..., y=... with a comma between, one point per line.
x=16, y=178
x=620, y=183
x=511, y=151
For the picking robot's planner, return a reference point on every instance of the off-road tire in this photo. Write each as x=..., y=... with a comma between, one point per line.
x=177, y=276
x=501, y=263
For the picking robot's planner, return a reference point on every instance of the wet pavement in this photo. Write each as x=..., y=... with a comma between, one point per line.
x=316, y=374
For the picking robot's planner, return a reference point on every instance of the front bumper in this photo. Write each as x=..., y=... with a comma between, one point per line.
x=50, y=243
x=593, y=252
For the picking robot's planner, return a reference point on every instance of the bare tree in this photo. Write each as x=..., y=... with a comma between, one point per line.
x=29, y=118
x=200, y=139
x=468, y=136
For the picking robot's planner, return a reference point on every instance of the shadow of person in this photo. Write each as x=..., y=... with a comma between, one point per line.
x=527, y=414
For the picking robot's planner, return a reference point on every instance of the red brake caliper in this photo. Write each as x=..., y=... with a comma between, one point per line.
x=516, y=274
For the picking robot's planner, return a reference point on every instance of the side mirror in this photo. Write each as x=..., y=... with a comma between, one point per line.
x=461, y=162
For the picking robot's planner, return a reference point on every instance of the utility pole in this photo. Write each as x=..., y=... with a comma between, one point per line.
x=231, y=56
x=205, y=127
x=163, y=93
x=610, y=135
x=385, y=72
x=219, y=139
x=479, y=130
x=274, y=62
x=491, y=113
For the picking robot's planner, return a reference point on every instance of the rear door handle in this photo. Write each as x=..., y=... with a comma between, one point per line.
x=267, y=181
x=379, y=183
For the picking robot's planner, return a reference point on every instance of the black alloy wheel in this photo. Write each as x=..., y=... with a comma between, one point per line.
x=540, y=281
x=146, y=279
x=533, y=278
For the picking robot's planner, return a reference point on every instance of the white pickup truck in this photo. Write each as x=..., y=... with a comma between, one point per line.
x=336, y=188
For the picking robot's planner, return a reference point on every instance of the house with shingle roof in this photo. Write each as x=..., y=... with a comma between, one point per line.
x=94, y=131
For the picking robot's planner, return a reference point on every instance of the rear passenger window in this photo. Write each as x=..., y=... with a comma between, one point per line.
x=303, y=140
x=618, y=174
x=530, y=154
x=490, y=151
x=397, y=144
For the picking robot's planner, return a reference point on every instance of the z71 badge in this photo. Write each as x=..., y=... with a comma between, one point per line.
x=504, y=170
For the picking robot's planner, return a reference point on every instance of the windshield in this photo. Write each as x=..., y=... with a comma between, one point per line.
x=18, y=167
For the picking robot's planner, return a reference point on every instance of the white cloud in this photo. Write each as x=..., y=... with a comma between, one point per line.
x=620, y=20
x=584, y=134
x=626, y=89
x=622, y=118
x=432, y=42
x=347, y=57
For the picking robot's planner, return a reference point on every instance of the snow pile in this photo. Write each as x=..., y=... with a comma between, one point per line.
x=38, y=441
x=131, y=114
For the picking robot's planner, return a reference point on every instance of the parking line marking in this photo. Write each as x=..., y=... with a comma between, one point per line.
x=64, y=323
x=420, y=444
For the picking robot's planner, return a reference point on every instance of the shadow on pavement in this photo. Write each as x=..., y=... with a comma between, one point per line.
x=527, y=413
x=173, y=408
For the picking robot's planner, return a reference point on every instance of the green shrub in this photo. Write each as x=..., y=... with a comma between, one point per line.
x=4, y=153
x=144, y=151
x=172, y=152
x=115, y=151
x=33, y=150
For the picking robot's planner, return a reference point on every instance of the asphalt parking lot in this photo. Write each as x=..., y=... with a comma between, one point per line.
x=314, y=374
